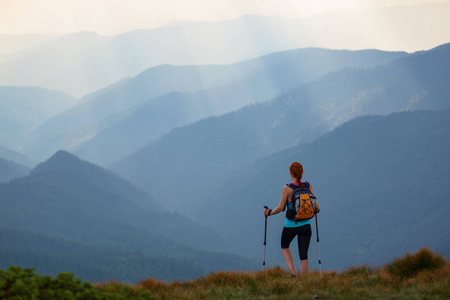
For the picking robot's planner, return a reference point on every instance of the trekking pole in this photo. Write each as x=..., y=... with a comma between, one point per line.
x=265, y=235
x=318, y=248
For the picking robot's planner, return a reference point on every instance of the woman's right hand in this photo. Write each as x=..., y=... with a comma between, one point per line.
x=266, y=211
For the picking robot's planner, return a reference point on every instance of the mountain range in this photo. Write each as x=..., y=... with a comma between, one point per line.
x=230, y=141
x=118, y=121
x=388, y=170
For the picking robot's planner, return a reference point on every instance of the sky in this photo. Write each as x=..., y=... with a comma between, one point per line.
x=110, y=17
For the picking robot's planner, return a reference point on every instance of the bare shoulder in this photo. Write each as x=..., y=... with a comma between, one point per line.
x=287, y=188
x=287, y=191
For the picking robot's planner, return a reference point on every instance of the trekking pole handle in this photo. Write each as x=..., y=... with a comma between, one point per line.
x=266, y=207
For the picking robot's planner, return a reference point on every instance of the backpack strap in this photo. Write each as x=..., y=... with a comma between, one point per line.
x=292, y=186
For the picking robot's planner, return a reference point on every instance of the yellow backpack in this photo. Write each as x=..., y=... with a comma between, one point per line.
x=302, y=205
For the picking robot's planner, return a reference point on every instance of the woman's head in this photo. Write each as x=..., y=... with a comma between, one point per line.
x=296, y=170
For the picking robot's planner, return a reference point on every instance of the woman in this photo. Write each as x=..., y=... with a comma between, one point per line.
x=291, y=229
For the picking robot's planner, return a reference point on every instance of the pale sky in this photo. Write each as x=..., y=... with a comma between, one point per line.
x=109, y=17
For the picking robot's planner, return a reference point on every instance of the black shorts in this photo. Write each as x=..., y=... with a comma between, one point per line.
x=303, y=234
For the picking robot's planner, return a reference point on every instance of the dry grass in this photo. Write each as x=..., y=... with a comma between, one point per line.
x=362, y=282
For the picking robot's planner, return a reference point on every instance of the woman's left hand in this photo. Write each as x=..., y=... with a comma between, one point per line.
x=266, y=211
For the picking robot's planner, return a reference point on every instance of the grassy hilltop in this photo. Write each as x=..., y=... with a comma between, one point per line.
x=422, y=275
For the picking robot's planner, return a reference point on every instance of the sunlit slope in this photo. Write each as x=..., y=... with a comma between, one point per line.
x=23, y=109
x=253, y=81
x=207, y=150
x=145, y=107
x=381, y=181
x=73, y=127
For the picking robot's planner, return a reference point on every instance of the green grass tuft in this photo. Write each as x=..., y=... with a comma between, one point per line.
x=411, y=264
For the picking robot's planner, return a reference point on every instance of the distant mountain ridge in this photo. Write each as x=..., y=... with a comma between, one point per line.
x=11, y=170
x=15, y=157
x=15, y=43
x=227, y=142
x=67, y=130
x=120, y=120
x=268, y=77
x=23, y=109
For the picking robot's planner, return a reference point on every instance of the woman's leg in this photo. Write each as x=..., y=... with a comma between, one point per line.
x=287, y=236
x=289, y=260
x=304, y=267
x=304, y=239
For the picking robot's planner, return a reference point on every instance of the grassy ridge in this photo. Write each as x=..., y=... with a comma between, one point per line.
x=423, y=275
x=356, y=283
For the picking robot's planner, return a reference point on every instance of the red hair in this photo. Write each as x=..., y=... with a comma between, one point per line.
x=296, y=170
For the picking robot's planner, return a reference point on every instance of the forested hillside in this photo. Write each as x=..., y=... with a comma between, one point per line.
x=73, y=202
x=54, y=255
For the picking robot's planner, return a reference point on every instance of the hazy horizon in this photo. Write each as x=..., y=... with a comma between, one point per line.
x=108, y=18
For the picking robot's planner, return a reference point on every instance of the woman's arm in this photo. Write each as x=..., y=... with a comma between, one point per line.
x=283, y=200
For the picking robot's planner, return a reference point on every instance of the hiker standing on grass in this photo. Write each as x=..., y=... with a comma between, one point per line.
x=301, y=229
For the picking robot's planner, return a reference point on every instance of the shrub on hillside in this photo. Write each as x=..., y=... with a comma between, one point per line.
x=410, y=264
x=17, y=283
x=24, y=283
